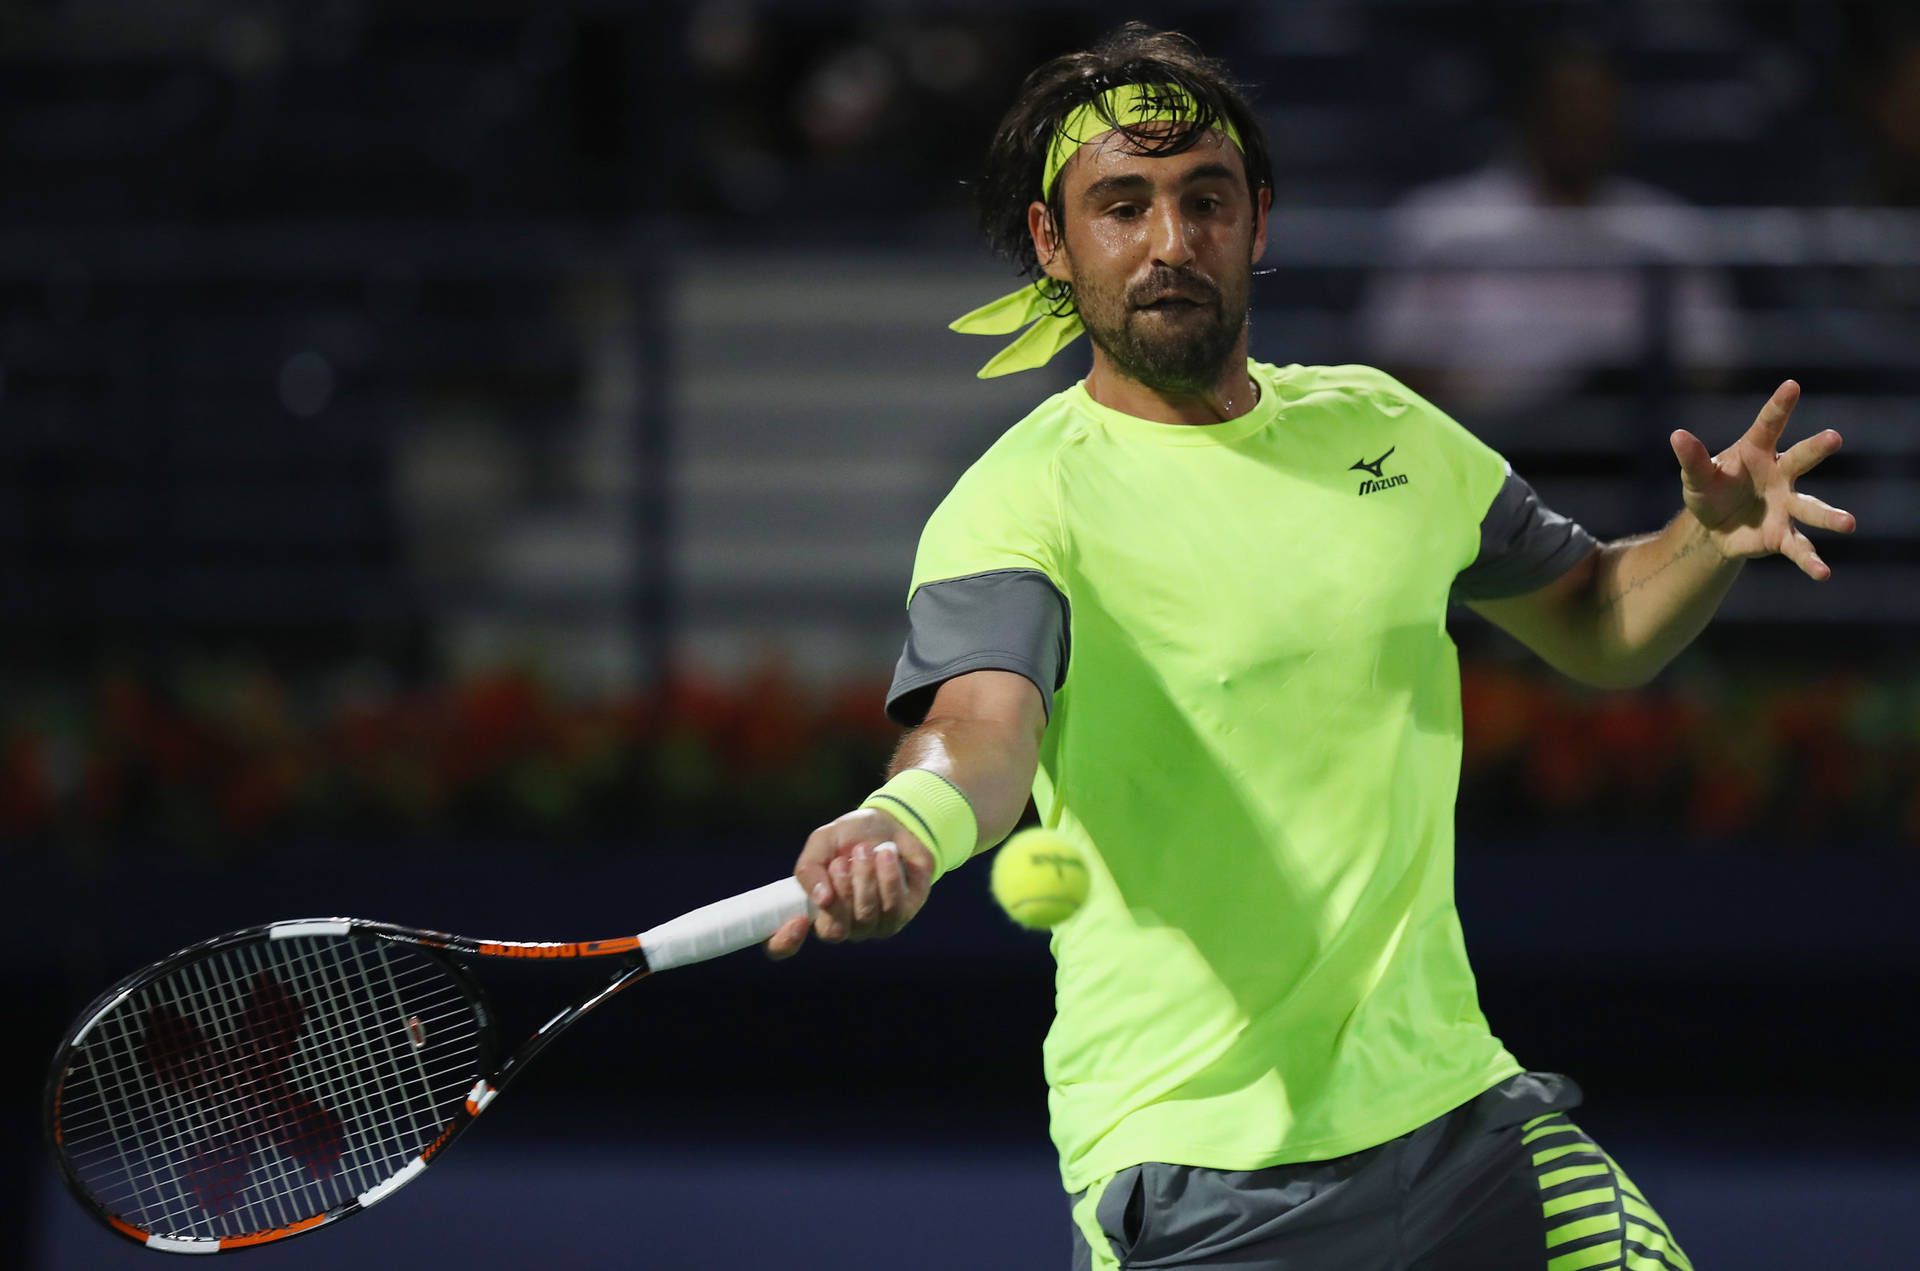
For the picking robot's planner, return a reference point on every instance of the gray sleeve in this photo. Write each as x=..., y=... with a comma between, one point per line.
x=1524, y=545
x=1004, y=619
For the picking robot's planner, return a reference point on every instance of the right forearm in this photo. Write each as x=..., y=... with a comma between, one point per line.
x=991, y=764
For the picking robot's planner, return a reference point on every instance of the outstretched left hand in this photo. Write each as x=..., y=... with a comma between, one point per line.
x=1744, y=495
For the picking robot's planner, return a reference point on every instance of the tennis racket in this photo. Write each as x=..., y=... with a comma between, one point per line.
x=276, y=1079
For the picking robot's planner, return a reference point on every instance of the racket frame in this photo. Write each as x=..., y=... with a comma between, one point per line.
x=493, y=1075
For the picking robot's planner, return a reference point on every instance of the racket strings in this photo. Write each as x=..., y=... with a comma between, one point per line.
x=198, y=1085
x=217, y=1168
x=266, y=1083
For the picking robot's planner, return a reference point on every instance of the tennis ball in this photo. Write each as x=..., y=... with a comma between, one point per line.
x=1039, y=878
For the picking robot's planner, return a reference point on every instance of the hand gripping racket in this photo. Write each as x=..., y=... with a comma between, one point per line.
x=278, y=1078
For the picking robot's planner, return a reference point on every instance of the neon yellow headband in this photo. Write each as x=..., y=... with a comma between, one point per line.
x=1046, y=334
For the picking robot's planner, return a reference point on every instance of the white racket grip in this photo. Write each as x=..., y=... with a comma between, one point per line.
x=725, y=925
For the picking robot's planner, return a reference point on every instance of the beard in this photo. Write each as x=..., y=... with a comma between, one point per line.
x=1172, y=332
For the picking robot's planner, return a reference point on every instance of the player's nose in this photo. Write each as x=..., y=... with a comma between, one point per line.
x=1171, y=239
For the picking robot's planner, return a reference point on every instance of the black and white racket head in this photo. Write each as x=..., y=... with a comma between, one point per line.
x=266, y=1082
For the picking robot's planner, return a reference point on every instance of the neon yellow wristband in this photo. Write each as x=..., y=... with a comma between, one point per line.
x=934, y=811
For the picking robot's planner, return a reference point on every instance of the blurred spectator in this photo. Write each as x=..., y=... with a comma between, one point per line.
x=1469, y=316
x=824, y=116
x=853, y=130
x=1892, y=107
x=732, y=65
x=1869, y=306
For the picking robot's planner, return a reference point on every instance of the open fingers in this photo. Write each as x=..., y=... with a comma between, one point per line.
x=1811, y=511
x=1771, y=422
x=1797, y=548
x=1696, y=461
x=1807, y=455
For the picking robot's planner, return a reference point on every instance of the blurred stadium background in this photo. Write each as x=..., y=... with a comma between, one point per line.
x=460, y=464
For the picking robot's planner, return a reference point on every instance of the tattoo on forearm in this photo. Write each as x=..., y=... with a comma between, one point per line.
x=1613, y=601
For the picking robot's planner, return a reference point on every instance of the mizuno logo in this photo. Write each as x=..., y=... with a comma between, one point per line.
x=1377, y=481
x=1374, y=467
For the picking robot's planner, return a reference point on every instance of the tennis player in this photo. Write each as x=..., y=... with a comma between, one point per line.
x=1196, y=605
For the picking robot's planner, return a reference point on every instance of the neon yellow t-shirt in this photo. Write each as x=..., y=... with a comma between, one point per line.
x=1257, y=741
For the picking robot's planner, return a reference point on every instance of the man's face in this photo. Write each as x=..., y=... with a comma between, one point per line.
x=1573, y=130
x=1160, y=252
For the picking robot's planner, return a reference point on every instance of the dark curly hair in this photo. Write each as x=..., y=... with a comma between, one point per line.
x=1132, y=54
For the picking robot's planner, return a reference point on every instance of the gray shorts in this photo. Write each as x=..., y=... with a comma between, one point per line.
x=1504, y=1182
